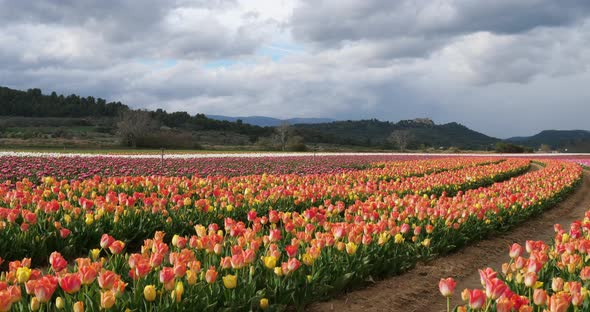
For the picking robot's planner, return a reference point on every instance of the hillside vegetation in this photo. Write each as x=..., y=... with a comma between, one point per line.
x=33, y=119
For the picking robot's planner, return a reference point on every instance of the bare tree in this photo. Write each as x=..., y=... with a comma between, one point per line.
x=282, y=135
x=545, y=148
x=401, y=138
x=133, y=124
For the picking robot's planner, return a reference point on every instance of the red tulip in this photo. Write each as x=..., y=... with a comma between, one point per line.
x=291, y=250
x=70, y=283
x=106, y=241
x=167, y=277
x=515, y=250
x=446, y=286
x=57, y=262
x=64, y=233
x=495, y=288
x=116, y=247
x=44, y=288
x=477, y=298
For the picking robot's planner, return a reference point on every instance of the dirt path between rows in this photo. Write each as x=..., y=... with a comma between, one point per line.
x=417, y=289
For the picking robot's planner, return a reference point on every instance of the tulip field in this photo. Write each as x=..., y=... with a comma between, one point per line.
x=270, y=233
x=540, y=276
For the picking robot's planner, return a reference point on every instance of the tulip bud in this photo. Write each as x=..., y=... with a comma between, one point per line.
x=59, y=303
x=79, y=306
x=35, y=304
x=263, y=303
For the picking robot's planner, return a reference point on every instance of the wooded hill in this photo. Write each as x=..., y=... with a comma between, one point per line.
x=31, y=118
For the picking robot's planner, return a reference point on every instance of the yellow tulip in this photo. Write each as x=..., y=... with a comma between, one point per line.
x=270, y=262
x=230, y=281
x=89, y=219
x=191, y=277
x=94, y=253
x=149, y=293
x=351, y=248
x=565, y=238
x=35, y=304
x=178, y=290
x=307, y=259
x=23, y=274
x=278, y=271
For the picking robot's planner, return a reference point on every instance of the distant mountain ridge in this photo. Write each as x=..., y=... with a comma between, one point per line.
x=424, y=133
x=572, y=140
x=264, y=121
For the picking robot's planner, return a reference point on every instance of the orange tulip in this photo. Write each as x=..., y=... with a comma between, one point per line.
x=557, y=284
x=106, y=279
x=107, y=299
x=87, y=274
x=559, y=302
x=504, y=305
x=5, y=301
x=79, y=306
x=540, y=297
x=211, y=275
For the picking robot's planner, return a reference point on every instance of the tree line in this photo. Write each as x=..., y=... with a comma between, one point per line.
x=33, y=103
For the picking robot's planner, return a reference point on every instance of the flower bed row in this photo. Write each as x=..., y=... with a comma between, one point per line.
x=75, y=167
x=67, y=217
x=537, y=277
x=281, y=258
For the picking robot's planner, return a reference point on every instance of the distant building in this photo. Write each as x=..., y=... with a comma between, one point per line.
x=426, y=121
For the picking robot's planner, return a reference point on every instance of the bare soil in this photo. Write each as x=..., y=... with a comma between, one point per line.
x=417, y=289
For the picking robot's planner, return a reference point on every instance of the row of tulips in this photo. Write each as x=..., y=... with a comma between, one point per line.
x=584, y=162
x=281, y=258
x=76, y=167
x=537, y=277
x=67, y=217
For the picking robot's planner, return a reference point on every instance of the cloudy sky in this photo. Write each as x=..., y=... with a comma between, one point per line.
x=502, y=67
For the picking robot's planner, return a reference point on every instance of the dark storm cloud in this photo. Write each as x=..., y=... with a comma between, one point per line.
x=334, y=22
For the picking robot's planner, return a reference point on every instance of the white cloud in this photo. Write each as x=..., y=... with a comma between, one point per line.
x=500, y=67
